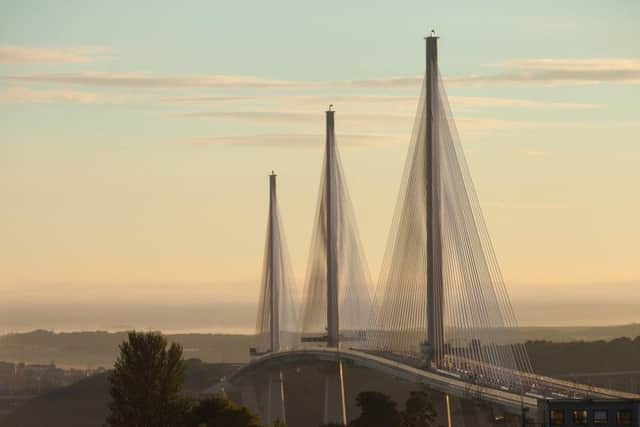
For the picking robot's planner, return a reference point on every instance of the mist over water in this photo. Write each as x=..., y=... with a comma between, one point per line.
x=224, y=318
x=581, y=313
x=239, y=318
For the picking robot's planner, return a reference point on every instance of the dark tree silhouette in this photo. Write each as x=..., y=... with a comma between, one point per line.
x=146, y=383
x=378, y=410
x=419, y=411
x=217, y=411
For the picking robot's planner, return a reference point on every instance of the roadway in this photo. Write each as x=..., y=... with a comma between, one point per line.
x=451, y=383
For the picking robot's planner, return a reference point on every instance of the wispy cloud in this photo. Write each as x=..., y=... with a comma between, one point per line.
x=487, y=102
x=254, y=116
x=384, y=120
x=347, y=121
x=559, y=72
x=214, y=81
x=27, y=95
x=533, y=72
x=513, y=72
x=141, y=80
x=36, y=55
x=206, y=99
x=389, y=82
x=366, y=130
x=312, y=104
x=400, y=101
x=297, y=99
x=296, y=140
x=488, y=124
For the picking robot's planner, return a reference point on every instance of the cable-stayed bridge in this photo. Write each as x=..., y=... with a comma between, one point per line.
x=440, y=314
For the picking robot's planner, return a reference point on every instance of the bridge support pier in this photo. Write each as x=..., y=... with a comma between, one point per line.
x=447, y=401
x=271, y=398
x=249, y=397
x=334, y=400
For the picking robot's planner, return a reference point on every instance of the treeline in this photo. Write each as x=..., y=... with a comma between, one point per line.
x=94, y=349
x=146, y=389
x=552, y=358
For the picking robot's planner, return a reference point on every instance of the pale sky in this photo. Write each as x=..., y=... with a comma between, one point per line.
x=136, y=138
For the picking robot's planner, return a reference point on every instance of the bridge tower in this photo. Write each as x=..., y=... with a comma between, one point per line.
x=277, y=317
x=334, y=404
x=277, y=321
x=435, y=332
x=336, y=298
x=333, y=319
x=274, y=289
x=337, y=302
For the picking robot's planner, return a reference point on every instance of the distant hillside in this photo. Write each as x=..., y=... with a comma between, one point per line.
x=81, y=404
x=578, y=357
x=94, y=349
x=579, y=333
x=85, y=403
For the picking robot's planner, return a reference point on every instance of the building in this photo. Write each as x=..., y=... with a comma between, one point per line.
x=587, y=412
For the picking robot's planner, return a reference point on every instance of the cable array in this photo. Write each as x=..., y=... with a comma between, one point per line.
x=476, y=318
x=278, y=286
x=352, y=272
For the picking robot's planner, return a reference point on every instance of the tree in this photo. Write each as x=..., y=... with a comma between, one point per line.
x=216, y=411
x=377, y=410
x=419, y=411
x=145, y=384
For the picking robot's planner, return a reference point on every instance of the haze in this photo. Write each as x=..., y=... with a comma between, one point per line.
x=135, y=144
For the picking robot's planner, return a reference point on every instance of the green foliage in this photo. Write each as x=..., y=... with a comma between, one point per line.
x=146, y=382
x=553, y=358
x=145, y=390
x=378, y=410
x=216, y=411
x=419, y=411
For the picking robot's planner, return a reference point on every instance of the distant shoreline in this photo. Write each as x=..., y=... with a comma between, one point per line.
x=250, y=332
x=93, y=349
x=194, y=331
x=238, y=318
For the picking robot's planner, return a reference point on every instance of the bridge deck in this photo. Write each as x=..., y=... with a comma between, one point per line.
x=436, y=379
